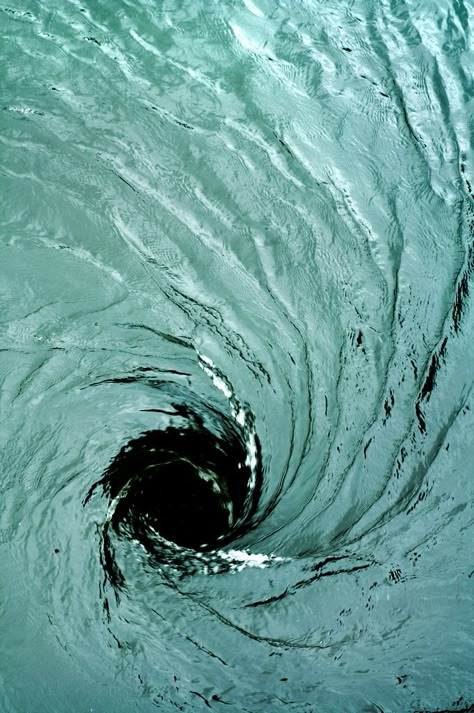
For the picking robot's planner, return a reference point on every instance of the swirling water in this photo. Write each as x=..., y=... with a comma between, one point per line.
x=239, y=235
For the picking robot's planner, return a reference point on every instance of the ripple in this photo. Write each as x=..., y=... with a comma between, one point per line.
x=235, y=357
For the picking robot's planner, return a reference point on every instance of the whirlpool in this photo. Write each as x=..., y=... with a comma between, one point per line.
x=236, y=356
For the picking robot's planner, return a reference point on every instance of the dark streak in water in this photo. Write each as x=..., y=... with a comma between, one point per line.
x=152, y=381
x=434, y=367
x=169, y=116
x=160, y=410
x=216, y=698
x=289, y=591
x=466, y=709
x=192, y=641
x=126, y=182
x=270, y=600
x=388, y=405
x=163, y=335
x=462, y=292
x=184, y=125
x=367, y=446
x=201, y=696
x=282, y=143
x=436, y=360
x=421, y=496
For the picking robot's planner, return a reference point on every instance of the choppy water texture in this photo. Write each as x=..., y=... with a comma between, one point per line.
x=236, y=264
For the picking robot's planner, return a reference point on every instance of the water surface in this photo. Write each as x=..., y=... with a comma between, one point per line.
x=236, y=327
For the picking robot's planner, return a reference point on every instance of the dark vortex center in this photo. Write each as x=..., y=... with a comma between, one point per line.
x=188, y=486
x=184, y=504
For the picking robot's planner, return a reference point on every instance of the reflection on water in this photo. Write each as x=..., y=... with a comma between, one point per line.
x=236, y=332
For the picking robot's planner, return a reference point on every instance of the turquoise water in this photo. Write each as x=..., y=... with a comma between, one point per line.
x=246, y=228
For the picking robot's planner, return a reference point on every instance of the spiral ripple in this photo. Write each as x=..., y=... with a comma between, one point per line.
x=236, y=332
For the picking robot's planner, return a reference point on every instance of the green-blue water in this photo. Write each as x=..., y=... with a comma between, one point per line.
x=238, y=234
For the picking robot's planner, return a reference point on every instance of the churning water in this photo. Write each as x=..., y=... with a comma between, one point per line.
x=236, y=356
